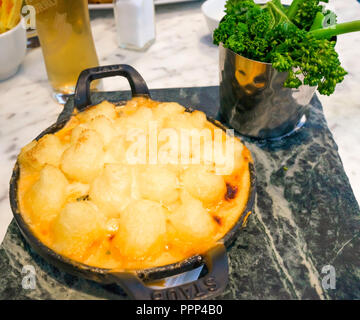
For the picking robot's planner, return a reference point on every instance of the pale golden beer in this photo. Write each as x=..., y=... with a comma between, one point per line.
x=63, y=27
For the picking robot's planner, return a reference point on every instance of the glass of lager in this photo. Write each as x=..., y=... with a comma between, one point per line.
x=63, y=27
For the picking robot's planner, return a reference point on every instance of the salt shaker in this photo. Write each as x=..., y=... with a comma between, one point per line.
x=135, y=23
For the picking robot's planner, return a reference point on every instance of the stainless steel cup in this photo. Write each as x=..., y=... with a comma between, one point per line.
x=253, y=99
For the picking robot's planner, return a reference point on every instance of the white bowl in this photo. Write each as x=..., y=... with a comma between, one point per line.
x=12, y=50
x=213, y=11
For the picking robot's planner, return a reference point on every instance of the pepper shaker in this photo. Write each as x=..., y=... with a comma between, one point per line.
x=135, y=23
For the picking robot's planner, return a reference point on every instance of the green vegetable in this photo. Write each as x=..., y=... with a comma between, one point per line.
x=297, y=40
x=318, y=21
x=303, y=12
x=335, y=30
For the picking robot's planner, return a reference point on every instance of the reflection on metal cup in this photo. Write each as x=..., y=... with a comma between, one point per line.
x=253, y=99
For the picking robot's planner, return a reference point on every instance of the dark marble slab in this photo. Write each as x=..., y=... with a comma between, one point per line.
x=306, y=217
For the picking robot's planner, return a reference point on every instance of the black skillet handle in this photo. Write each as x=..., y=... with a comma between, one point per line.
x=209, y=286
x=82, y=91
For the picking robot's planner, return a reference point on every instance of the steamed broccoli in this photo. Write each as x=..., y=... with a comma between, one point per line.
x=298, y=39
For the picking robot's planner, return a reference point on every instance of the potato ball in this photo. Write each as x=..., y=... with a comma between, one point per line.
x=192, y=223
x=111, y=191
x=105, y=108
x=76, y=132
x=198, y=119
x=181, y=121
x=234, y=161
x=239, y=158
x=136, y=102
x=227, y=153
x=203, y=184
x=142, y=230
x=158, y=183
x=167, y=110
x=137, y=120
x=78, y=226
x=84, y=160
x=116, y=151
x=47, y=150
x=101, y=124
x=77, y=190
x=104, y=127
x=47, y=195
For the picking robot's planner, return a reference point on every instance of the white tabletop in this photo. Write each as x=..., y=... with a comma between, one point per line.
x=182, y=56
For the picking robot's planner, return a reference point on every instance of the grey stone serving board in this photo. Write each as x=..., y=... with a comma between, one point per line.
x=306, y=217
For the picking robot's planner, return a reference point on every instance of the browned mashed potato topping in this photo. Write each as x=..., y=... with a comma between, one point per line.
x=83, y=199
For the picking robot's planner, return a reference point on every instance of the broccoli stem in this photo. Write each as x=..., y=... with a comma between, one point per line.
x=335, y=30
x=318, y=22
x=293, y=9
x=277, y=7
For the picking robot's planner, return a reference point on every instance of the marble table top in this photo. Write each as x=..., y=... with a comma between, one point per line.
x=302, y=242
x=182, y=56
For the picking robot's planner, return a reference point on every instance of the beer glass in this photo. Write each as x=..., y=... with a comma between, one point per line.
x=63, y=27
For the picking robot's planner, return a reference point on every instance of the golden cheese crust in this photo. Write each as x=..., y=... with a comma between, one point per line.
x=85, y=192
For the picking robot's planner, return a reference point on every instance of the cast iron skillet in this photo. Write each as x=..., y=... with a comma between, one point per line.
x=132, y=281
